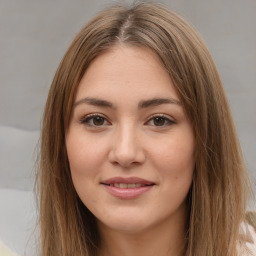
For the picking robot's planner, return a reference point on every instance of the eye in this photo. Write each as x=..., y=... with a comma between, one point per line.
x=160, y=121
x=94, y=120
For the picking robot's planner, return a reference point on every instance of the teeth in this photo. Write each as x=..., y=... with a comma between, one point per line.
x=125, y=185
x=122, y=185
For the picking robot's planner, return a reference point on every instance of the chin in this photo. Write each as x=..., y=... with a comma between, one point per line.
x=126, y=225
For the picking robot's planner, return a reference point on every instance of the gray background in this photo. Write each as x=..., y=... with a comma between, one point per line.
x=34, y=35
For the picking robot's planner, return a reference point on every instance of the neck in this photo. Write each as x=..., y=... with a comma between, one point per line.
x=167, y=239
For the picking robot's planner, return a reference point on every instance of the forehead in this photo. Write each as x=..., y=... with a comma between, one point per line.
x=128, y=70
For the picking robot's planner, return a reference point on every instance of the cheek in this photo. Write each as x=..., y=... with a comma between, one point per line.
x=174, y=159
x=85, y=156
x=85, y=160
x=175, y=156
x=175, y=163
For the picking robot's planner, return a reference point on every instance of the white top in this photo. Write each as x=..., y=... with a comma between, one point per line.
x=247, y=244
x=5, y=251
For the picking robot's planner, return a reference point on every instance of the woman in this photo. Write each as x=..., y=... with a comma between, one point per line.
x=139, y=154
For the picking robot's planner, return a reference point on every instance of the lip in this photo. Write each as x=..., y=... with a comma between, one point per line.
x=128, y=180
x=127, y=193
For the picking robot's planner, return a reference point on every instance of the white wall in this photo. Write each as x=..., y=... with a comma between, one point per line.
x=35, y=34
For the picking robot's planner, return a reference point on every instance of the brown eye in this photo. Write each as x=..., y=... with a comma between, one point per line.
x=98, y=120
x=94, y=121
x=159, y=121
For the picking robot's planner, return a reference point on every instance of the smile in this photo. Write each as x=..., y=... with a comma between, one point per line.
x=127, y=188
x=125, y=185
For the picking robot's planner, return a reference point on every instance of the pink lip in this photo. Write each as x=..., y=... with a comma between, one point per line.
x=127, y=193
x=127, y=181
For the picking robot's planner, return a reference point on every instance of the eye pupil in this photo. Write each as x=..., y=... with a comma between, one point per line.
x=159, y=121
x=98, y=120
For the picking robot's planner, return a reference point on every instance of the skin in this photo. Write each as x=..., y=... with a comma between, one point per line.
x=128, y=140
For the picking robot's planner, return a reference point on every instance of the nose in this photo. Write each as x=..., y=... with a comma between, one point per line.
x=126, y=149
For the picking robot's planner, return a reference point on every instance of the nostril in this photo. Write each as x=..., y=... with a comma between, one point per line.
x=126, y=152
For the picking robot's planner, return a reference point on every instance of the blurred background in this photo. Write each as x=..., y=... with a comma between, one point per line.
x=34, y=36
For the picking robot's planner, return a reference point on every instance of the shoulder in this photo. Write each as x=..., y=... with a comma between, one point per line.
x=247, y=241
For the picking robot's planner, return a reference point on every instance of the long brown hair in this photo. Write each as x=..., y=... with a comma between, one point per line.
x=217, y=199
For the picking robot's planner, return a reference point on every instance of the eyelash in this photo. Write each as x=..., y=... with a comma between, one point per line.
x=167, y=120
x=90, y=118
x=87, y=120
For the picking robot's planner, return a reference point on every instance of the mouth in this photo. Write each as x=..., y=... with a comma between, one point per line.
x=127, y=185
x=130, y=182
x=127, y=188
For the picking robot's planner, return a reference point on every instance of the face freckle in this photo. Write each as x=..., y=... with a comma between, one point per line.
x=127, y=89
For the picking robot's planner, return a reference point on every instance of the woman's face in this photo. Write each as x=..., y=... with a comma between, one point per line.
x=130, y=145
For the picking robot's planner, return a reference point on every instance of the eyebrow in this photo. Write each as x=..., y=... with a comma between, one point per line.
x=142, y=104
x=94, y=102
x=157, y=102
